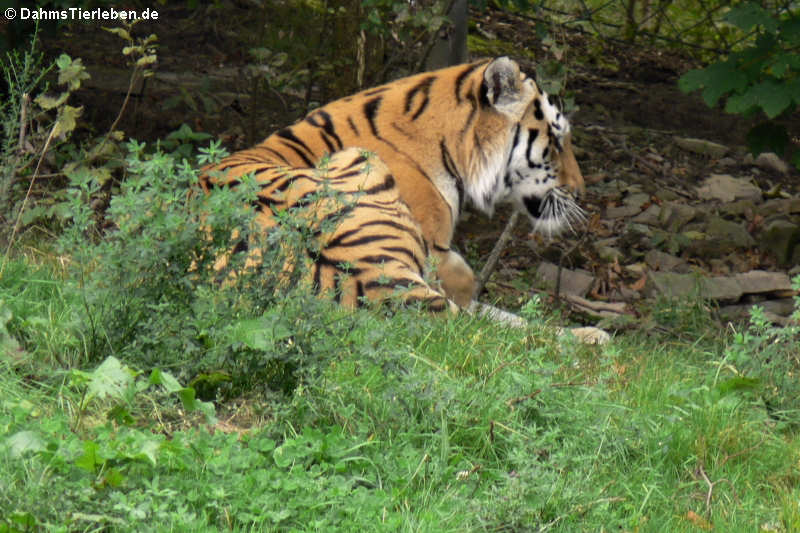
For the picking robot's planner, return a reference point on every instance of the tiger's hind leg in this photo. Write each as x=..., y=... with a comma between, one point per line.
x=376, y=251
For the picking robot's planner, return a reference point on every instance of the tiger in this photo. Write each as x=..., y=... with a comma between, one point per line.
x=482, y=132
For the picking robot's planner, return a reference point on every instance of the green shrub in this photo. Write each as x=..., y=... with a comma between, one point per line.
x=153, y=296
x=763, y=76
x=766, y=360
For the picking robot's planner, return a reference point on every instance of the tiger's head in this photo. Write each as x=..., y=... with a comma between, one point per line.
x=540, y=175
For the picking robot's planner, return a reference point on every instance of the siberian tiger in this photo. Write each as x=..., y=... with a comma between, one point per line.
x=481, y=132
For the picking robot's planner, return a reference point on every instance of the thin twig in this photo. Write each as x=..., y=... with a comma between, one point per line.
x=23, y=121
x=27, y=195
x=494, y=255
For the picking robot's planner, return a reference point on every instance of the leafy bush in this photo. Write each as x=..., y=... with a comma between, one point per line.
x=763, y=76
x=152, y=292
x=766, y=360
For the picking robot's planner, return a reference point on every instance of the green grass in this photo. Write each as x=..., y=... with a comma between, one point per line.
x=407, y=423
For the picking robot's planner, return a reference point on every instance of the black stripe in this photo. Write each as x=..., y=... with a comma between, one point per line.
x=388, y=184
x=407, y=252
x=394, y=283
x=279, y=155
x=410, y=231
x=462, y=76
x=450, y=167
x=377, y=90
x=288, y=134
x=327, y=126
x=352, y=126
x=370, y=111
x=533, y=133
x=357, y=161
x=440, y=248
x=513, y=145
x=377, y=259
x=359, y=293
x=423, y=87
x=537, y=104
x=473, y=112
x=339, y=241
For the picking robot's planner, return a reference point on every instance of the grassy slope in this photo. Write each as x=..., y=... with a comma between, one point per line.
x=416, y=425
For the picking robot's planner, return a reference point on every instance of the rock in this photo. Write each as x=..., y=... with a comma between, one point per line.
x=636, y=269
x=609, y=254
x=674, y=285
x=637, y=199
x=768, y=161
x=675, y=215
x=721, y=289
x=727, y=162
x=761, y=282
x=782, y=239
x=658, y=260
x=650, y=216
x=738, y=208
x=623, y=211
x=725, y=289
x=671, y=285
x=701, y=146
x=779, y=206
x=729, y=233
x=576, y=282
x=776, y=311
x=726, y=188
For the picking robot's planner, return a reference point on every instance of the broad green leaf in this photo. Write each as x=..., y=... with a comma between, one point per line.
x=121, y=32
x=772, y=96
x=111, y=379
x=738, y=383
x=150, y=449
x=784, y=62
x=741, y=103
x=261, y=333
x=71, y=73
x=50, y=102
x=90, y=459
x=66, y=121
x=166, y=380
x=24, y=441
x=716, y=80
x=768, y=137
x=747, y=15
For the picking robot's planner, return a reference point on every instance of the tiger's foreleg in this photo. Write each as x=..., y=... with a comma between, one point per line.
x=458, y=280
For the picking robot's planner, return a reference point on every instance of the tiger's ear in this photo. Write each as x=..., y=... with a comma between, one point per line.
x=504, y=87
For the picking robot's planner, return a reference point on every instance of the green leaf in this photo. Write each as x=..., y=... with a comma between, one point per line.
x=261, y=333
x=772, y=96
x=121, y=32
x=716, y=80
x=110, y=380
x=71, y=73
x=149, y=450
x=90, y=459
x=747, y=15
x=66, y=121
x=784, y=62
x=22, y=442
x=738, y=383
x=768, y=137
x=50, y=102
x=166, y=380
